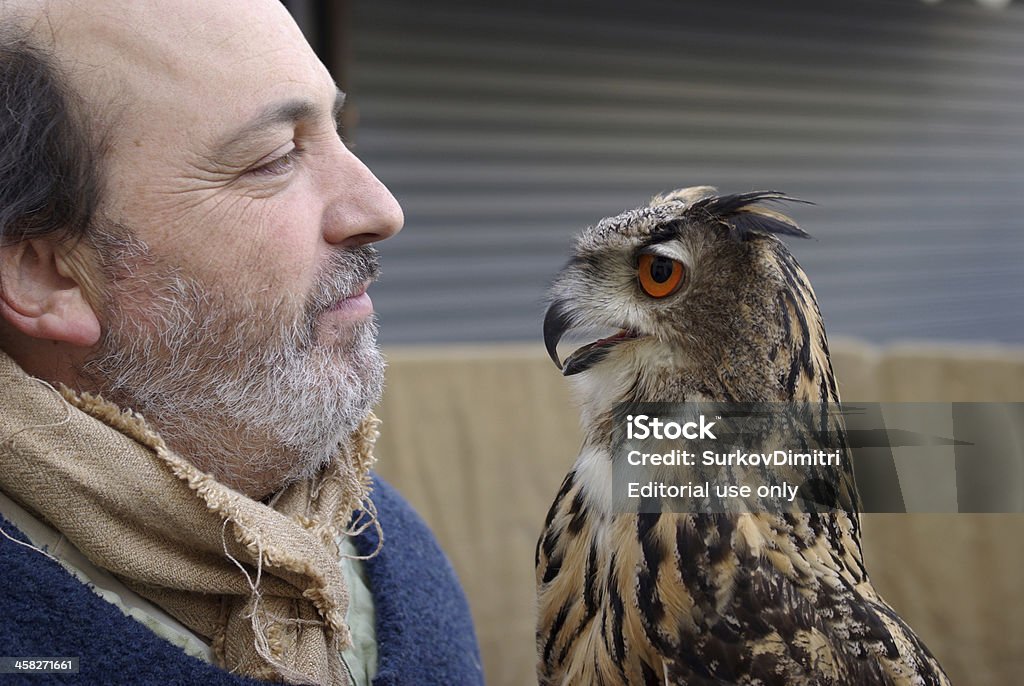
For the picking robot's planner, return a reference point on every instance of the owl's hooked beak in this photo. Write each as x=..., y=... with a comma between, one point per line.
x=557, y=322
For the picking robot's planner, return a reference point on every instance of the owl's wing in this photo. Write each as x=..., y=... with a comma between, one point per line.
x=775, y=608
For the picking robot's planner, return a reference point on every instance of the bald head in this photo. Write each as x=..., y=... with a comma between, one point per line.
x=124, y=79
x=162, y=76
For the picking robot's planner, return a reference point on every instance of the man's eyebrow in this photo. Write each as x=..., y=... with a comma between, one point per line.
x=339, y=105
x=287, y=112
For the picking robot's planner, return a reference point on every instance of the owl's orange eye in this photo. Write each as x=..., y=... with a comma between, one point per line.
x=659, y=276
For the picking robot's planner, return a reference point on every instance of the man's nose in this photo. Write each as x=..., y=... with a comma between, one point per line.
x=362, y=209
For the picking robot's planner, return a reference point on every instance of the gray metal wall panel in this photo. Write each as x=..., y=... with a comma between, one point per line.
x=504, y=128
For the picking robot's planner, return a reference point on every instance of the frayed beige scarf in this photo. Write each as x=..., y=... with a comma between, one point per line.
x=263, y=585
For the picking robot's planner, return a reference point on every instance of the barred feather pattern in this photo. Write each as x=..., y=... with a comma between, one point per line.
x=701, y=599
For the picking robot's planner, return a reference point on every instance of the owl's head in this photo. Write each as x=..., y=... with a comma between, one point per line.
x=698, y=286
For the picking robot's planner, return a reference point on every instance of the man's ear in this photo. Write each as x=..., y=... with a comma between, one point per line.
x=43, y=289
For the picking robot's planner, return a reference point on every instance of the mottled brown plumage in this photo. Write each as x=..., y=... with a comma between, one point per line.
x=755, y=599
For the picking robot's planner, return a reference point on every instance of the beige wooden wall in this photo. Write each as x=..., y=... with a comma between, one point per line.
x=479, y=439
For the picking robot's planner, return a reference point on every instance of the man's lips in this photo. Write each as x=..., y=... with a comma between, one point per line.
x=356, y=304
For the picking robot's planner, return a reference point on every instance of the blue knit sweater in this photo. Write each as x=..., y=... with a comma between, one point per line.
x=424, y=630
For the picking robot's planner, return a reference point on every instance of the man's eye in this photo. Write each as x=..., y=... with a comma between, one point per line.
x=277, y=166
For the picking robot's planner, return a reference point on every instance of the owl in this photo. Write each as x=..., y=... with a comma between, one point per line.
x=708, y=304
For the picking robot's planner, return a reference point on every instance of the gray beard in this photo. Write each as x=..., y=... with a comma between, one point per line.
x=241, y=387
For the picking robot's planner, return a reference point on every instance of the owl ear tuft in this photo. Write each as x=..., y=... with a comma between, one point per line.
x=687, y=196
x=745, y=218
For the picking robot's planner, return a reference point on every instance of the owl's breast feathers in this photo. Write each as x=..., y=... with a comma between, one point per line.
x=714, y=599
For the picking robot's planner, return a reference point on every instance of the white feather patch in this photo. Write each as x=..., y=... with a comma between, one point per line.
x=594, y=475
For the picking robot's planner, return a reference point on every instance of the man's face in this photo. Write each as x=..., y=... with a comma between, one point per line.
x=234, y=315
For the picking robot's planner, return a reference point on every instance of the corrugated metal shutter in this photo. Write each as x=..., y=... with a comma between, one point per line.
x=504, y=128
